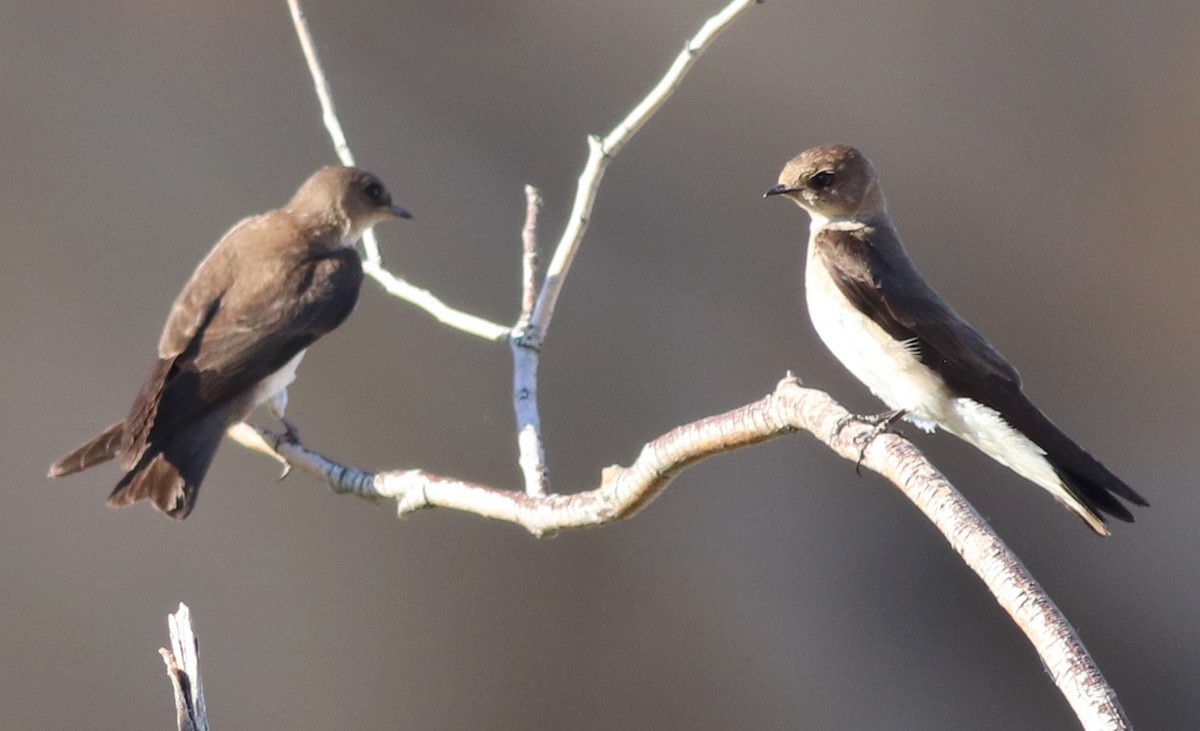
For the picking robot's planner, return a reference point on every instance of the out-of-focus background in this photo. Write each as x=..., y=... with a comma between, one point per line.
x=1039, y=159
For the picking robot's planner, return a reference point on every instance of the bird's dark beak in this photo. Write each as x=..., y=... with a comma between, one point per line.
x=399, y=212
x=778, y=190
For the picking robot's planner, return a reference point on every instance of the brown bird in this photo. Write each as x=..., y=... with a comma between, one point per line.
x=890, y=329
x=270, y=287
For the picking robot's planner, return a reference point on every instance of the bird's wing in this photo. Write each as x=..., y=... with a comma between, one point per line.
x=881, y=283
x=871, y=270
x=195, y=307
x=227, y=332
x=246, y=342
x=201, y=296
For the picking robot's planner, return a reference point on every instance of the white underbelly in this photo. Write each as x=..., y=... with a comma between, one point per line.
x=894, y=372
x=890, y=368
x=277, y=383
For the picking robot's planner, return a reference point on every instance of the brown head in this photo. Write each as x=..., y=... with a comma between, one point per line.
x=832, y=181
x=344, y=199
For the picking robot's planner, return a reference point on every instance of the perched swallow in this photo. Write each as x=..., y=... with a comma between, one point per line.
x=890, y=329
x=236, y=333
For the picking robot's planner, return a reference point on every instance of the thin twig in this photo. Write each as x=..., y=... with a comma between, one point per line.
x=536, y=313
x=529, y=259
x=373, y=262
x=324, y=94
x=601, y=152
x=531, y=452
x=465, y=322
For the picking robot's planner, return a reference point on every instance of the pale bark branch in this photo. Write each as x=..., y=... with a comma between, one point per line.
x=529, y=258
x=623, y=491
x=183, y=667
x=324, y=94
x=531, y=452
x=465, y=322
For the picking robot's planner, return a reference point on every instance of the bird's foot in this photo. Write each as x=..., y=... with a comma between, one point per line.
x=291, y=435
x=879, y=424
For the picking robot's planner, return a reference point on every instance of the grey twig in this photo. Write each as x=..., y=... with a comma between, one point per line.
x=526, y=350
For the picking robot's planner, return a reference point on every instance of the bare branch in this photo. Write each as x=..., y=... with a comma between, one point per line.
x=1062, y=652
x=324, y=94
x=183, y=667
x=622, y=492
x=529, y=258
x=625, y=490
x=464, y=321
x=602, y=151
x=531, y=453
x=537, y=308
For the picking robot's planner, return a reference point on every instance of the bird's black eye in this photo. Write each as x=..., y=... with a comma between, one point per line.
x=821, y=180
x=374, y=191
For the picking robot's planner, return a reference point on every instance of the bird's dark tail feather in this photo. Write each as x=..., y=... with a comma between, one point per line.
x=170, y=475
x=1092, y=483
x=99, y=449
x=170, y=471
x=157, y=480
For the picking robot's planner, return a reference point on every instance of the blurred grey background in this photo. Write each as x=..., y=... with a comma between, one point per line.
x=1040, y=161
